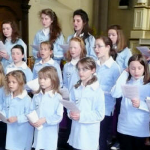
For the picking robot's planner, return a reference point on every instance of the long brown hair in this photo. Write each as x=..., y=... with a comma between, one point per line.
x=143, y=62
x=89, y=64
x=55, y=29
x=82, y=45
x=20, y=78
x=121, y=41
x=2, y=75
x=51, y=73
x=15, y=32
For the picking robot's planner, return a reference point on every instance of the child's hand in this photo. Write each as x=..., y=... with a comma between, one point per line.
x=74, y=115
x=4, y=55
x=135, y=103
x=39, y=122
x=12, y=119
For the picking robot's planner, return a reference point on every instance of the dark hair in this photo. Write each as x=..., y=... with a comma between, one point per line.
x=121, y=41
x=15, y=32
x=142, y=61
x=84, y=16
x=55, y=29
x=107, y=41
x=82, y=45
x=88, y=63
x=20, y=47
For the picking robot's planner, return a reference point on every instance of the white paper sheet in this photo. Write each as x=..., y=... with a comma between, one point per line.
x=2, y=47
x=65, y=93
x=33, y=118
x=144, y=50
x=65, y=47
x=3, y=118
x=37, y=47
x=33, y=85
x=130, y=91
x=70, y=105
x=148, y=102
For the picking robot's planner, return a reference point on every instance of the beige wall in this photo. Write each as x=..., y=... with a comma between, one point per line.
x=123, y=17
x=63, y=9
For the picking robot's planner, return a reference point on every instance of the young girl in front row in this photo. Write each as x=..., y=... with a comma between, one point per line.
x=89, y=98
x=46, y=53
x=16, y=107
x=75, y=53
x=17, y=54
x=107, y=72
x=49, y=109
x=133, y=123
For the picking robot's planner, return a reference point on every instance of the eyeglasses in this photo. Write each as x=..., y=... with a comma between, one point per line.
x=98, y=46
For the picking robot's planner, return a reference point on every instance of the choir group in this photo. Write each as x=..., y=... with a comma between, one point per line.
x=93, y=76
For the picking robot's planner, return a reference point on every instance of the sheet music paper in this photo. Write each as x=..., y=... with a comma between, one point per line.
x=69, y=105
x=144, y=50
x=148, y=102
x=3, y=118
x=65, y=47
x=130, y=91
x=2, y=46
x=33, y=118
x=37, y=47
x=33, y=85
x=65, y=93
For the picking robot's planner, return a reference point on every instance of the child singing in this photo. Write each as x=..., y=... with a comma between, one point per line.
x=133, y=123
x=89, y=98
x=16, y=107
x=49, y=109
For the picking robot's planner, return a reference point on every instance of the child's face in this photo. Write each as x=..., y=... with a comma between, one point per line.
x=45, y=84
x=12, y=84
x=45, y=52
x=100, y=49
x=78, y=23
x=112, y=34
x=46, y=21
x=75, y=49
x=85, y=74
x=136, y=69
x=7, y=30
x=17, y=55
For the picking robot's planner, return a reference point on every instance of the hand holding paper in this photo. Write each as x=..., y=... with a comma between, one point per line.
x=33, y=118
x=130, y=91
x=70, y=105
x=3, y=118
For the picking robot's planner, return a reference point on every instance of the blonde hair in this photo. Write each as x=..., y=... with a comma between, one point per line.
x=49, y=45
x=82, y=45
x=51, y=73
x=20, y=78
x=2, y=75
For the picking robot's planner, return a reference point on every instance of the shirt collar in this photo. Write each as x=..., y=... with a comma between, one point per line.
x=81, y=35
x=50, y=93
x=94, y=85
x=51, y=62
x=21, y=96
x=107, y=63
x=46, y=31
x=74, y=61
x=140, y=80
x=23, y=66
